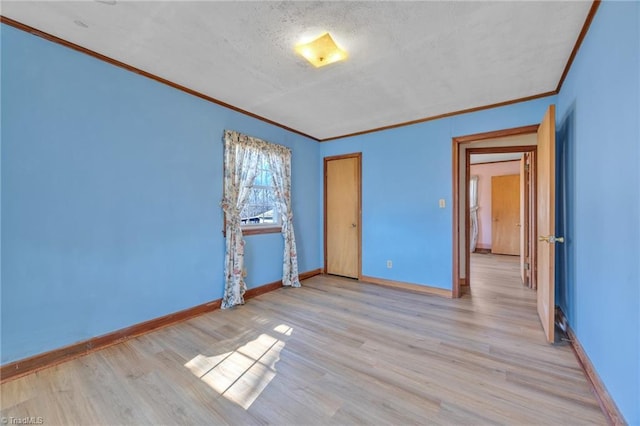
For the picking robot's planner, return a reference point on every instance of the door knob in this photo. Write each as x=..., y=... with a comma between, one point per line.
x=551, y=239
x=353, y=225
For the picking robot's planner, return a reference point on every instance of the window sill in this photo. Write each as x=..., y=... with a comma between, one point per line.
x=262, y=230
x=258, y=230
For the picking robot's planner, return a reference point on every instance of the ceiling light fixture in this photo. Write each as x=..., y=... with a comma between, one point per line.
x=321, y=51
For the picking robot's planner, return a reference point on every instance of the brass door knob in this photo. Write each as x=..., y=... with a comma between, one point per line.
x=551, y=239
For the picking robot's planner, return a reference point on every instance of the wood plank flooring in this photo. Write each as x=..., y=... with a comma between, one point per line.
x=335, y=351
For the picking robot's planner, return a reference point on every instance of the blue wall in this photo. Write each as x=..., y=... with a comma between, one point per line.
x=598, y=122
x=111, y=184
x=405, y=171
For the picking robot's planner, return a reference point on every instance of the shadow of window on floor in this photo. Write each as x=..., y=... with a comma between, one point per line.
x=242, y=374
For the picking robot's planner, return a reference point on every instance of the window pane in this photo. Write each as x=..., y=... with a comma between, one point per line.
x=260, y=207
x=259, y=195
x=260, y=178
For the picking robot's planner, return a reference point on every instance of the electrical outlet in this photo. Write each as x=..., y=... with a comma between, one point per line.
x=389, y=264
x=244, y=272
x=441, y=203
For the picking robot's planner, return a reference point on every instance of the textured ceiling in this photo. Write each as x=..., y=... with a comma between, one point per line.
x=407, y=60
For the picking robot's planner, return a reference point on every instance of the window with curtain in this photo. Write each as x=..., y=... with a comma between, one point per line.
x=473, y=212
x=257, y=191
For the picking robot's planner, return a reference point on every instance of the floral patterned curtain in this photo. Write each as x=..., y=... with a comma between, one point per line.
x=280, y=165
x=241, y=155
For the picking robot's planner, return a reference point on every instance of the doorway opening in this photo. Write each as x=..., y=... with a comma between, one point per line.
x=521, y=141
x=503, y=216
x=543, y=176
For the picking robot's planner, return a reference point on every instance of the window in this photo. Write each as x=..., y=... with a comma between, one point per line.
x=261, y=209
x=257, y=183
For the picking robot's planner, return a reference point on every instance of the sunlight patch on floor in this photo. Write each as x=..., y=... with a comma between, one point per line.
x=241, y=375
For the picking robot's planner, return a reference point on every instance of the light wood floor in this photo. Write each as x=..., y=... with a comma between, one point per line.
x=333, y=352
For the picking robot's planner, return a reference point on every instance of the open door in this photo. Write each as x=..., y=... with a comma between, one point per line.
x=523, y=219
x=546, y=188
x=528, y=237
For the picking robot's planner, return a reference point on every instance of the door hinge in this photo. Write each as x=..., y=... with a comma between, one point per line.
x=526, y=167
x=527, y=266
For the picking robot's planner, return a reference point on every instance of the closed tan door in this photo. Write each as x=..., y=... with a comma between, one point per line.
x=342, y=215
x=546, y=176
x=505, y=214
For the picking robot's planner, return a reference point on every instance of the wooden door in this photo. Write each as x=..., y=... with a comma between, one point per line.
x=533, y=221
x=342, y=215
x=527, y=215
x=546, y=188
x=505, y=214
x=523, y=214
